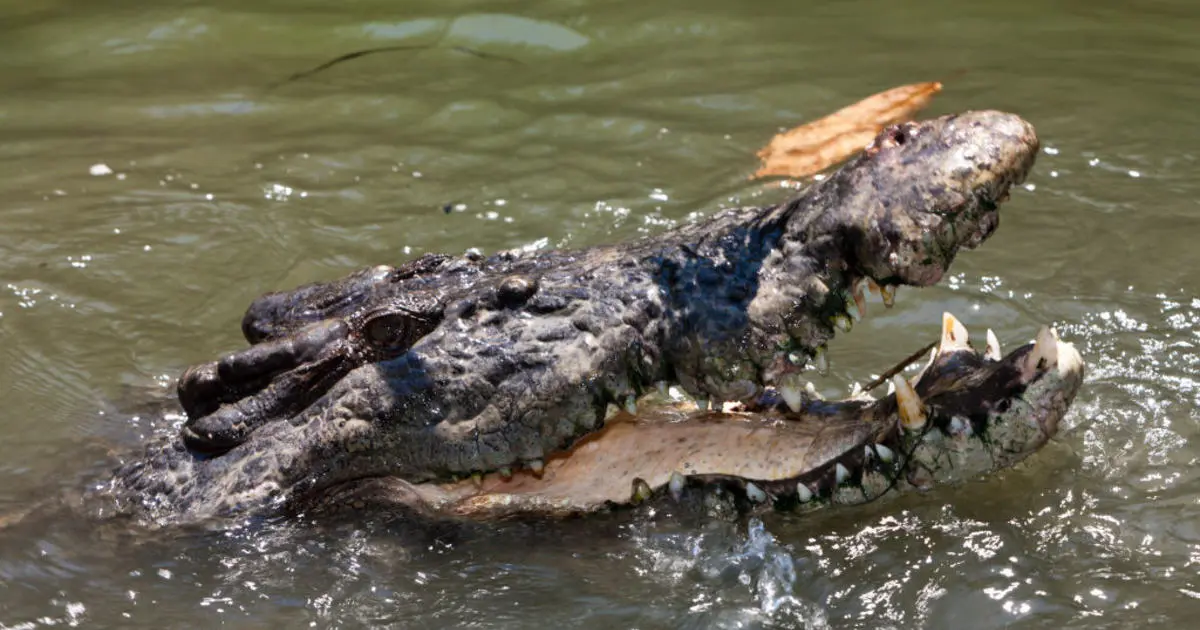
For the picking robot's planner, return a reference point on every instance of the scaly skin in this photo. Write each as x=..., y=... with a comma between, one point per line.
x=449, y=367
x=982, y=413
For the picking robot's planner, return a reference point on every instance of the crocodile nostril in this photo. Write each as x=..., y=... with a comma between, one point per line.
x=200, y=389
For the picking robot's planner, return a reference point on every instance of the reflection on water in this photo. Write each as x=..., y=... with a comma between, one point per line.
x=154, y=182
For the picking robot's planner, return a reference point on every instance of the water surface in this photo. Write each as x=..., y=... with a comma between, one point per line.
x=155, y=176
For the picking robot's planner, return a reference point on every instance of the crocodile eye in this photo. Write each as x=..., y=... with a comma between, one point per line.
x=392, y=330
x=516, y=290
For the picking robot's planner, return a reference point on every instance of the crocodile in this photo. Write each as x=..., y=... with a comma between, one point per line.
x=485, y=386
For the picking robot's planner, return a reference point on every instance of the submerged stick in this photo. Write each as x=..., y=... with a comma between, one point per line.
x=358, y=54
x=899, y=367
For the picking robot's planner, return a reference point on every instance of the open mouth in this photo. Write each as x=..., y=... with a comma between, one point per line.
x=965, y=413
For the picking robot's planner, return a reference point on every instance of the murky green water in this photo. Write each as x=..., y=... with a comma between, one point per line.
x=152, y=182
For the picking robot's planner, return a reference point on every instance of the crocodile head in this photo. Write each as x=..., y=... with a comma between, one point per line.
x=452, y=367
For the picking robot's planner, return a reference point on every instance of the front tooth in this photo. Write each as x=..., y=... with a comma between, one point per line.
x=912, y=412
x=811, y=390
x=536, y=466
x=791, y=392
x=641, y=491
x=505, y=473
x=954, y=335
x=856, y=306
x=631, y=405
x=888, y=293
x=1045, y=352
x=993, y=347
x=754, y=493
x=803, y=492
x=675, y=485
x=793, y=398
x=840, y=474
x=856, y=390
x=821, y=361
x=885, y=454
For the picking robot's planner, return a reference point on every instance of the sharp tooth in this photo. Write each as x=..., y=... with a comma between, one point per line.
x=1045, y=351
x=912, y=412
x=793, y=398
x=641, y=491
x=505, y=473
x=872, y=286
x=675, y=485
x=702, y=404
x=536, y=466
x=803, y=493
x=812, y=392
x=843, y=322
x=993, y=347
x=791, y=392
x=885, y=454
x=477, y=478
x=821, y=361
x=754, y=493
x=856, y=390
x=840, y=474
x=631, y=404
x=868, y=453
x=888, y=293
x=954, y=335
x=663, y=389
x=856, y=305
x=891, y=388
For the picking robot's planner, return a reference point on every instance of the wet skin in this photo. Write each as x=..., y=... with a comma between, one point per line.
x=979, y=412
x=452, y=367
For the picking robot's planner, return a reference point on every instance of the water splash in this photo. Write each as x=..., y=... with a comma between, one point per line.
x=735, y=579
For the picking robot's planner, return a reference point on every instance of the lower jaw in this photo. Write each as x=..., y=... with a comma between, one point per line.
x=667, y=449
